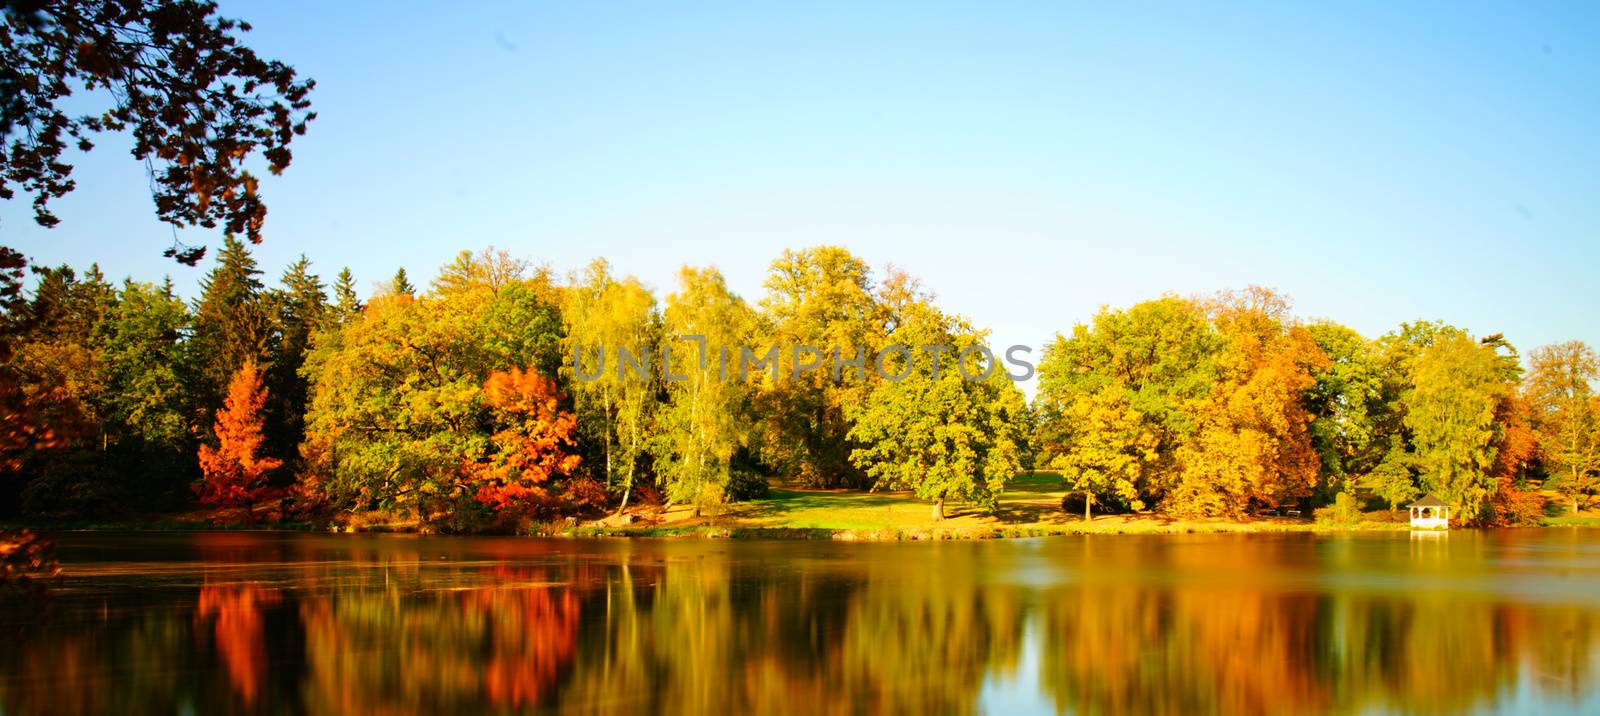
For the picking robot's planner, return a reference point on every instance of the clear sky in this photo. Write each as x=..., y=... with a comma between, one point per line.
x=1029, y=161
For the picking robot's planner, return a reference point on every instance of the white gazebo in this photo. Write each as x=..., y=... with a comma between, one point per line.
x=1430, y=513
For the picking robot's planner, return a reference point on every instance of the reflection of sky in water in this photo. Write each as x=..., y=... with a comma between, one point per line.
x=1465, y=623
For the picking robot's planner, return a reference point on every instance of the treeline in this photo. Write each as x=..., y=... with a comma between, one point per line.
x=459, y=404
x=1224, y=405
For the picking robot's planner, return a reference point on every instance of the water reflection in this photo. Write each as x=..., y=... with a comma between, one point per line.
x=265, y=623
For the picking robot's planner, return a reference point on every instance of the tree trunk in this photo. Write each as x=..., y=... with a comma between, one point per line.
x=1088, y=498
x=625, y=493
x=938, y=510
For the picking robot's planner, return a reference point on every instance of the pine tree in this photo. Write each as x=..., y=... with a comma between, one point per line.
x=400, y=285
x=302, y=309
x=234, y=472
x=232, y=325
x=346, y=304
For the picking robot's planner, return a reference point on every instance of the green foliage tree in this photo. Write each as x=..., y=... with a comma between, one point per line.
x=1450, y=411
x=1162, y=356
x=300, y=309
x=936, y=432
x=1348, y=407
x=1392, y=480
x=57, y=364
x=198, y=104
x=400, y=285
x=149, y=390
x=346, y=303
x=1108, y=450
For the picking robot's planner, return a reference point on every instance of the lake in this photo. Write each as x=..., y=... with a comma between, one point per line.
x=1461, y=623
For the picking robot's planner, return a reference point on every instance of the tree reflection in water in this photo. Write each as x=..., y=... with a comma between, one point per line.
x=274, y=623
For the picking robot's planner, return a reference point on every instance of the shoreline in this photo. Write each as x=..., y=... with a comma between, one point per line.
x=1109, y=527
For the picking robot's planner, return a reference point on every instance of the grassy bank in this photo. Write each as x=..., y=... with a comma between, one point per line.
x=1030, y=507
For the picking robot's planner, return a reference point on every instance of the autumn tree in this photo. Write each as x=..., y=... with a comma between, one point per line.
x=1161, y=355
x=531, y=445
x=605, y=315
x=952, y=427
x=234, y=472
x=396, y=403
x=1253, y=443
x=705, y=427
x=1565, y=413
x=57, y=362
x=198, y=104
x=1108, y=449
x=820, y=297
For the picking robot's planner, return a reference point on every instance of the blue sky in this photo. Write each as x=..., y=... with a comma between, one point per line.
x=1029, y=161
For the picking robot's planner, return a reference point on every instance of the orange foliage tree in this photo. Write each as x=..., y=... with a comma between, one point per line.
x=534, y=442
x=234, y=472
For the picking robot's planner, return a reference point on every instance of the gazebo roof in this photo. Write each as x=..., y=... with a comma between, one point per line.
x=1429, y=501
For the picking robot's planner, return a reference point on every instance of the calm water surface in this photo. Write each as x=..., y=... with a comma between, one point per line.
x=1465, y=623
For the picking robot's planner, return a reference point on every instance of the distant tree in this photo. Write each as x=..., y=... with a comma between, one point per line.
x=56, y=363
x=490, y=269
x=346, y=304
x=397, y=406
x=197, y=103
x=400, y=285
x=531, y=445
x=147, y=374
x=234, y=473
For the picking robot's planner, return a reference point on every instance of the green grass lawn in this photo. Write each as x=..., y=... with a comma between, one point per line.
x=1030, y=505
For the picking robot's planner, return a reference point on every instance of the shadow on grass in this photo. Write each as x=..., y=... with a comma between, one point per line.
x=782, y=503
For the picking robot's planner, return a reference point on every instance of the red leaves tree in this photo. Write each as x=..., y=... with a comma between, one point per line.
x=235, y=474
x=533, y=444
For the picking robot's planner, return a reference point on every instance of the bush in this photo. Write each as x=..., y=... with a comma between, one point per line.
x=744, y=485
x=1511, y=506
x=1072, y=503
x=586, y=494
x=1345, y=510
